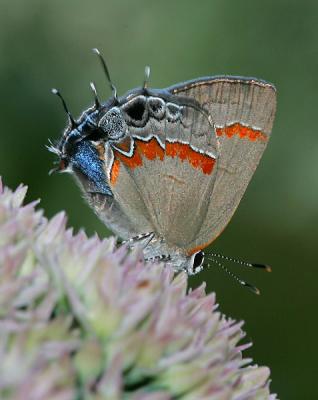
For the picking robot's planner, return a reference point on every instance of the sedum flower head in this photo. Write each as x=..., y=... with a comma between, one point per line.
x=82, y=319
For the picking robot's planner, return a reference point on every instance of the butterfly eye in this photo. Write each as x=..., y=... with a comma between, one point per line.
x=112, y=124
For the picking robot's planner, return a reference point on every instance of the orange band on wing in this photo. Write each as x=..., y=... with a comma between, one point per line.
x=131, y=162
x=197, y=160
x=125, y=144
x=114, y=172
x=241, y=131
x=152, y=150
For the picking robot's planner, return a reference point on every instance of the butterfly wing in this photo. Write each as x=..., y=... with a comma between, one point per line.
x=170, y=162
x=242, y=110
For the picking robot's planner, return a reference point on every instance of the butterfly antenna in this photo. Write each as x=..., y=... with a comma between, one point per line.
x=101, y=58
x=252, y=288
x=147, y=76
x=57, y=93
x=265, y=267
x=93, y=88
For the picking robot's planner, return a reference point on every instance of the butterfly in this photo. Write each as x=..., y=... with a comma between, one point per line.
x=167, y=168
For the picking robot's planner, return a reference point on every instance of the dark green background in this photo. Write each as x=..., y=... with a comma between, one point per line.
x=47, y=43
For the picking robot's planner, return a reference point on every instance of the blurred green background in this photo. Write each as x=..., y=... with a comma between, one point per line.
x=46, y=44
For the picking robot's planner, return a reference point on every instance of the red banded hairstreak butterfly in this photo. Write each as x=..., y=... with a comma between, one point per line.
x=167, y=168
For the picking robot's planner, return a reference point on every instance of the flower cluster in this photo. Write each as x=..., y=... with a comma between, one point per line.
x=82, y=319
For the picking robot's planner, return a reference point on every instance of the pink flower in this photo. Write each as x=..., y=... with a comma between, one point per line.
x=80, y=318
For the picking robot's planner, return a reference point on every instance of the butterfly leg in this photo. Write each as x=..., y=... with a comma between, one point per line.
x=142, y=239
x=162, y=257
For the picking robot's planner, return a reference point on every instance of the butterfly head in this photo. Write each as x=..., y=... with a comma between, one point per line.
x=79, y=149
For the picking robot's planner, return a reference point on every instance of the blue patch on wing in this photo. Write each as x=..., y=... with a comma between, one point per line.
x=85, y=159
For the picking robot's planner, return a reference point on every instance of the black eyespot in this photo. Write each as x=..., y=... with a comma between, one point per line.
x=136, y=110
x=198, y=259
x=156, y=107
x=173, y=112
